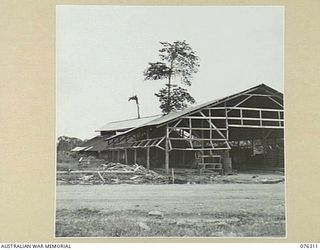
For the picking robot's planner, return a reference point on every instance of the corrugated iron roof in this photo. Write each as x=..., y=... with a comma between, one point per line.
x=130, y=125
x=160, y=119
x=127, y=124
x=94, y=144
x=173, y=115
x=92, y=141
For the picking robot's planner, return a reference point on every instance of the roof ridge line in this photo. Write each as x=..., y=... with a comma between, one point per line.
x=134, y=118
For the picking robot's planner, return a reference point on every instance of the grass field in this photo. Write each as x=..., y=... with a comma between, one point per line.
x=219, y=210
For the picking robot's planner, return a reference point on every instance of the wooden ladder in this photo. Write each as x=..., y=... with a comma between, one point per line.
x=210, y=164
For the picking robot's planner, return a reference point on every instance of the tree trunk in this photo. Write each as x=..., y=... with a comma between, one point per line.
x=169, y=86
x=169, y=94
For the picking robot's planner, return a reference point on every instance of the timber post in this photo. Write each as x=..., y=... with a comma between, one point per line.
x=166, y=162
x=126, y=156
x=148, y=152
x=227, y=153
x=226, y=161
x=263, y=141
x=135, y=156
x=148, y=158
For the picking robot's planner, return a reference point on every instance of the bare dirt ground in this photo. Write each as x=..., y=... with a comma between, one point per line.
x=202, y=210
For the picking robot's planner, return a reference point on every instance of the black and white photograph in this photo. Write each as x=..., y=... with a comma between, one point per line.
x=170, y=121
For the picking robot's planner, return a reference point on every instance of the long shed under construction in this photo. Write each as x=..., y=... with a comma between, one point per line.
x=239, y=131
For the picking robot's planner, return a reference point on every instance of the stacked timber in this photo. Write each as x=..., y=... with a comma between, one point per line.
x=112, y=173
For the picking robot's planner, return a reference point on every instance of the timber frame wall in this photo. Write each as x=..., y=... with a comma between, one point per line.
x=206, y=129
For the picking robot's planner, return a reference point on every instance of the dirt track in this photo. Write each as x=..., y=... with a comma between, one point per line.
x=242, y=209
x=268, y=198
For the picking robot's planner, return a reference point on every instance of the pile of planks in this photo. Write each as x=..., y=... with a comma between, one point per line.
x=112, y=173
x=89, y=162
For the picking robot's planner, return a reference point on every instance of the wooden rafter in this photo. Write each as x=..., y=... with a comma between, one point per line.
x=145, y=143
x=272, y=99
x=239, y=103
x=214, y=126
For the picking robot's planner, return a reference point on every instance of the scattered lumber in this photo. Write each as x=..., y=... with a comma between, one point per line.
x=103, y=180
x=112, y=173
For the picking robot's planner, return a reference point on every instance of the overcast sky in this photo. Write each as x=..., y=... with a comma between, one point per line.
x=103, y=50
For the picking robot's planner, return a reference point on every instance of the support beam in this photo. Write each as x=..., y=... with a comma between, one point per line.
x=197, y=139
x=210, y=131
x=264, y=95
x=227, y=123
x=126, y=156
x=260, y=117
x=202, y=137
x=148, y=158
x=135, y=156
x=190, y=133
x=214, y=126
x=239, y=103
x=166, y=161
x=253, y=126
x=198, y=149
x=227, y=165
x=272, y=99
x=255, y=109
x=159, y=142
x=177, y=123
x=148, y=152
x=187, y=128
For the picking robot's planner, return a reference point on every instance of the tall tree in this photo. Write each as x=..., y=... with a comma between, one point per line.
x=178, y=60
